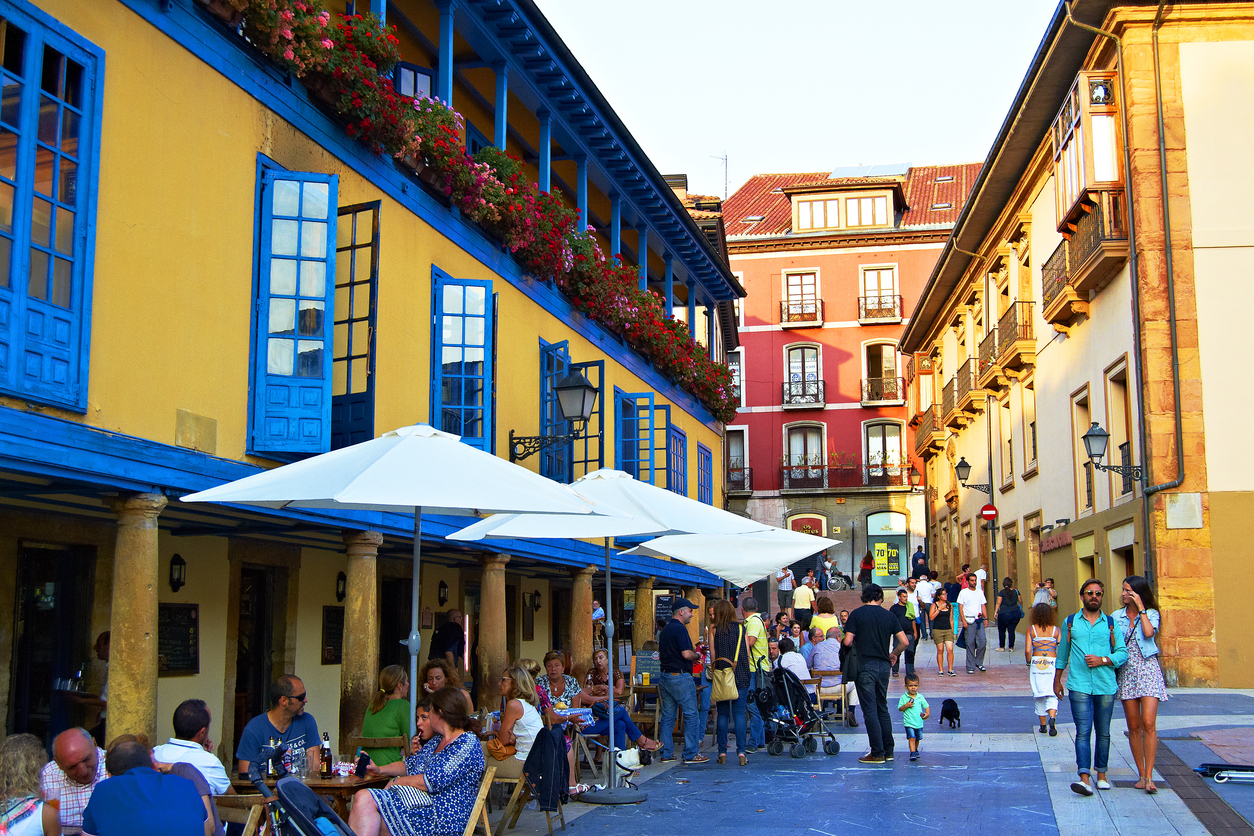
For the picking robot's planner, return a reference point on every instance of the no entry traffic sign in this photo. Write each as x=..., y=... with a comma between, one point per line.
x=989, y=512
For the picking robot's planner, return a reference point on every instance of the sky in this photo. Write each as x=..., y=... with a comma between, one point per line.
x=803, y=85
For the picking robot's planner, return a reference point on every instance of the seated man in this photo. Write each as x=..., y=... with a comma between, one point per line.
x=807, y=650
x=827, y=658
x=285, y=722
x=138, y=799
x=191, y=744
x=76, y=769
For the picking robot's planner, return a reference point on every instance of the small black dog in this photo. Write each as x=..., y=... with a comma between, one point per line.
x=950, y=712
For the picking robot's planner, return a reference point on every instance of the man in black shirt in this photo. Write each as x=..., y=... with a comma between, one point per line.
x=449, y=641
x=676, y=686
x=901, y=609
x=869, y=630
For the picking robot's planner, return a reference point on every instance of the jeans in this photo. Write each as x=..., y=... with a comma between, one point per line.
x=757, y=733
x=977, y=643
x=625, y=731
x=925, y=622
x=736, y=710
x=909, y=654
x=678, y=692
x=703, y=699
x=1091, y=711
x=872, y=686
x=1006, y=624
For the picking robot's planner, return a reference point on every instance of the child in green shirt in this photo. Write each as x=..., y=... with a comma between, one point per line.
x=914, y=710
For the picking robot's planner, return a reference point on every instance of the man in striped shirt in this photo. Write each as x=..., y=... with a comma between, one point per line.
x=68, y=780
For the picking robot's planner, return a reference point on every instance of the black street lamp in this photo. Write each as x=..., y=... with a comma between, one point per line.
x=576, y=398
x=1095, y=441
x=963, y=471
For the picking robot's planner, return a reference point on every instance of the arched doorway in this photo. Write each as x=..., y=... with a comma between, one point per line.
x=887, y=538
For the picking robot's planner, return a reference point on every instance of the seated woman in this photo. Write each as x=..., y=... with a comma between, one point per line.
x=597, y=693
x=22, y=808
x=554, y=720
x=791, y=659
x=520, y=721
x=446, y=773
x=438, y=673
x=561, y=688
x=824, y=615
x=388, y=714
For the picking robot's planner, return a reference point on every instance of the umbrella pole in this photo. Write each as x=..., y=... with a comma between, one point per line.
x=611, y=794
x=414, y=642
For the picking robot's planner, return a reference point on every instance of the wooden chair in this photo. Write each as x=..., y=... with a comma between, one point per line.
x=248, y=810
x=584, y=751
x=834, y=694
x=352, y=744
x=638, y=702
x=518, y=800
x=479, y=813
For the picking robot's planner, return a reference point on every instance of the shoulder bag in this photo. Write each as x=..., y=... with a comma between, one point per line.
x=724, y=679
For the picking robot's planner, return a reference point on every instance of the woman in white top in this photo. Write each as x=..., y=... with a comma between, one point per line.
x=791, y=660
x=22, y=810
x=520, y=721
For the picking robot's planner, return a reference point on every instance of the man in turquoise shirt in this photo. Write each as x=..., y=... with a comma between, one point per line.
x=1091, y=642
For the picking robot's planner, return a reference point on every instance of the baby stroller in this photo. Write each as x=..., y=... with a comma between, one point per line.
x=294, y=808
x=796, y=723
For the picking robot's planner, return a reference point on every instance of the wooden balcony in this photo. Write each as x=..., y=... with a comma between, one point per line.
x=1099, y=245
x=969, y=396
x=877, y=310
x=1061, y=303
x=929, y=435
x=991, y=377
x=1016, y=342
x=802, y=313
x=878, y=391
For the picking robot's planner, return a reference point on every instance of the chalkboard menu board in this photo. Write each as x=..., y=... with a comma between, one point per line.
x=664, y=607
x=178, y=639
x=332, y=635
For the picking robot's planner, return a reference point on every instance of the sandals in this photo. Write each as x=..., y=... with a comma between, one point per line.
x=744, y=761
x=649, y=745
x=578, y=789
x=722, y=758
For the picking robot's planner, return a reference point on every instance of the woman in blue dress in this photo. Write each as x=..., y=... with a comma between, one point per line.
x=437, y=793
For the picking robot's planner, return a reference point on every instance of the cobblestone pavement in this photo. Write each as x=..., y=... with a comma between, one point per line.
x=994, y=775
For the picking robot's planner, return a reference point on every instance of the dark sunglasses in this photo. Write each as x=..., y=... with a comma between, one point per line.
x=1096, y=593
x=302, y=696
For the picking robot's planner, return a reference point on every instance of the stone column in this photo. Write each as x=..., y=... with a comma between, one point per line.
x=696, y=627
x=581, y=621
x=642, y=618
x=133, y=618
x=359, y=670
x=493, y=655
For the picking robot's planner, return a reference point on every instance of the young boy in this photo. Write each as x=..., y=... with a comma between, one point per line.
x=914, y=709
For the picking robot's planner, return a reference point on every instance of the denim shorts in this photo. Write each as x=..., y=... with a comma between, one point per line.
x=914, y=734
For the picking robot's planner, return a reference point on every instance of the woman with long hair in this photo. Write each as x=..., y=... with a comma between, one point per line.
x=730, y=652
x=1041, y=650
x=446, y=775
x=520, y=721
x=1008, y=614
x=1141, y=683
x=388, y=714
x=437, y=674
x=865, y=570
x=598, y=688
x=22, y=809
x=941, y=614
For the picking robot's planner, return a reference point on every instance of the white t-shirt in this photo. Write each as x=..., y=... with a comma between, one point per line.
x=980, y=577
x=912, y=595
x=796, y=663
x=926, y=591
x=971, y=600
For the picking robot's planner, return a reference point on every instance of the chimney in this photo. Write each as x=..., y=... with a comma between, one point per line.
x=678, y=184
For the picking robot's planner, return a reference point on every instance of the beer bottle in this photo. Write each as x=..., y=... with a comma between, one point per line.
x=326, y=760
x=270, y=771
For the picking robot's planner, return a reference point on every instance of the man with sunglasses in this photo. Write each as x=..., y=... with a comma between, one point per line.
x=285, y=722
x=1094, y=648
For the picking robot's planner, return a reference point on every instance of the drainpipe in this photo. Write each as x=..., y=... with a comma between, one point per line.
x=1138, y=333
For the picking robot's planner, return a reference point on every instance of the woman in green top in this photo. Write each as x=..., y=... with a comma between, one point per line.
x=388, y=714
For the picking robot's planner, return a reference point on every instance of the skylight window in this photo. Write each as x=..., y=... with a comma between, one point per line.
x=945, y=178
x=777, y=190
x=752, y=219
x=936, y=206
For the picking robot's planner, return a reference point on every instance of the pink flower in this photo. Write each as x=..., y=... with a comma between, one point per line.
x=328, y=44
x=289, y=55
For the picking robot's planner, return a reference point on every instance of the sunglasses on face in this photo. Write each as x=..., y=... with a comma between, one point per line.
x=1096, y=593
x=302, y=696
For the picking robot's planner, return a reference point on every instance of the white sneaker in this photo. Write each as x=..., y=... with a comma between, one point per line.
x=1103, y=784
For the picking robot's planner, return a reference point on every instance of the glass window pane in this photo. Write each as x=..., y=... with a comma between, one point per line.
x=343, y=267
x=8, y=153
x=361, y=300
x=72, y=92
x=316, y=197
x=283, y=237
x=339, y=378
x=452, y=330
x=803, y=214
x=283, y=316
x=474, y=357
x=6, y=208
x=43, y=171
x=312, y=314
x=361, y=337
x=475, y=299
x=344, y=229
x=38, y=274
x=313, y=239
x=50, y=79
x=279, y=356
x=48, y=121
x=309, y=358
x=67, y=181
x=361, y=379
x=11, y=102
x=41, y=222
x=61, y=277
x=365, y=228
x=833, y=216
x=451, y=391
x=361, y=264
x=881, y=210
x=819, y=220
x=282, y=277
x=474, y=331
x=851, y=212
x=286, y=198
x=452, y=299
x=451, y=357
x=65, y=232
x=14, y=48
x=313, y=279
x=6, y=256
x=70, y=122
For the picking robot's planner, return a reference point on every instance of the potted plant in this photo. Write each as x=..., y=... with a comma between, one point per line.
x=230, y=12
x=295, y=34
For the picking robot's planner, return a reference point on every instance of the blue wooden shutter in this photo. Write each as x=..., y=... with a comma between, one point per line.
x=462, y=373
x=293, y=310
x=705, y=475
x=677, y=460
x=555, y=461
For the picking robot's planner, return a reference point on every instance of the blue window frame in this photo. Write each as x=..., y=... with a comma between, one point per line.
x=52, y=94
x=476, y=141
x=462, y=357
x=676, y=461
x=705, y=475
x=555, y=461
x=637, y=444
x=413, y=80
x=293, y=309
x=355, y=316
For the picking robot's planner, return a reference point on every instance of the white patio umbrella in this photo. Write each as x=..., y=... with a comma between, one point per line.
x=646, y=510
x=413, y=468
x=740, y=558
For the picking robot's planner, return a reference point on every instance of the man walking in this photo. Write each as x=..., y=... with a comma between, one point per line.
x=785, y=581
x=676, y=686
x=971, y=608
x=870, y=630
x=755, y=640
x=901, y=610
x=1094, y=648
x=927, y=594
x=918, y=564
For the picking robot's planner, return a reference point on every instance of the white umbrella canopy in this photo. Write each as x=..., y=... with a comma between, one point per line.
x=410, y=469
x=740, y=558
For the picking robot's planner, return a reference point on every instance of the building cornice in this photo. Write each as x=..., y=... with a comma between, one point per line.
x=776, y=243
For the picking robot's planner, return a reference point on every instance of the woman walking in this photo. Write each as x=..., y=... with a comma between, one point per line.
x=731, y=653
x=864, y=571
x=1041, y=652
x=1141, y=683
x=1009, y=612
x=942, y=616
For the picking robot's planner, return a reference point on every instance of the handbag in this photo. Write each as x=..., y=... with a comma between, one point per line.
x=961, y=642
x=499, y=750
x=724, y=679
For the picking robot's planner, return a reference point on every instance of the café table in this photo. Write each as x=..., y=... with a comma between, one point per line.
x=339, y=791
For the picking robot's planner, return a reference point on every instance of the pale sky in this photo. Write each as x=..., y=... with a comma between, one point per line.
x=803, y=85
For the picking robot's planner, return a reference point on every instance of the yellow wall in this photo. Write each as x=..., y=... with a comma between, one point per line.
x=543, y=640
x=318, y=569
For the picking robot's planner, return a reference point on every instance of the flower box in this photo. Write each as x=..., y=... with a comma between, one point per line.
x=223, y=11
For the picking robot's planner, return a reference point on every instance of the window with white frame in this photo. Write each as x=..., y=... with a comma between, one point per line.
x=735, y=364
x=805, y=382
x=885, y=459
x=866, y=211
x=879, y=298
x=804, y=465
x=801, y=292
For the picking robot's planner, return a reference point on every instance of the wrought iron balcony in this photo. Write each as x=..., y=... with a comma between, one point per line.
x=812, y=475
x=1099, y=246
x=1062, y=304
x=801, y=312
x=803, y=393
x=1016, y=344
x=970, y=398
x=949, y=399
x=873, y=309
x=739, y=479
x=929, y=435
x=991, y=377
x=877, y=390
x=1054, y=274
x=888, y=476
x=802, y=473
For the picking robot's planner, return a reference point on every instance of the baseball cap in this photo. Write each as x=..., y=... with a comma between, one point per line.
x=684, y=602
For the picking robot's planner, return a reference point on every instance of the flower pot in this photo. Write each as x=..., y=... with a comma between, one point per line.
x=223, y=11
x=320, y=90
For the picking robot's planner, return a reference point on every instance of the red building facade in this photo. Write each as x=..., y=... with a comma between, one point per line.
x=833, y=264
